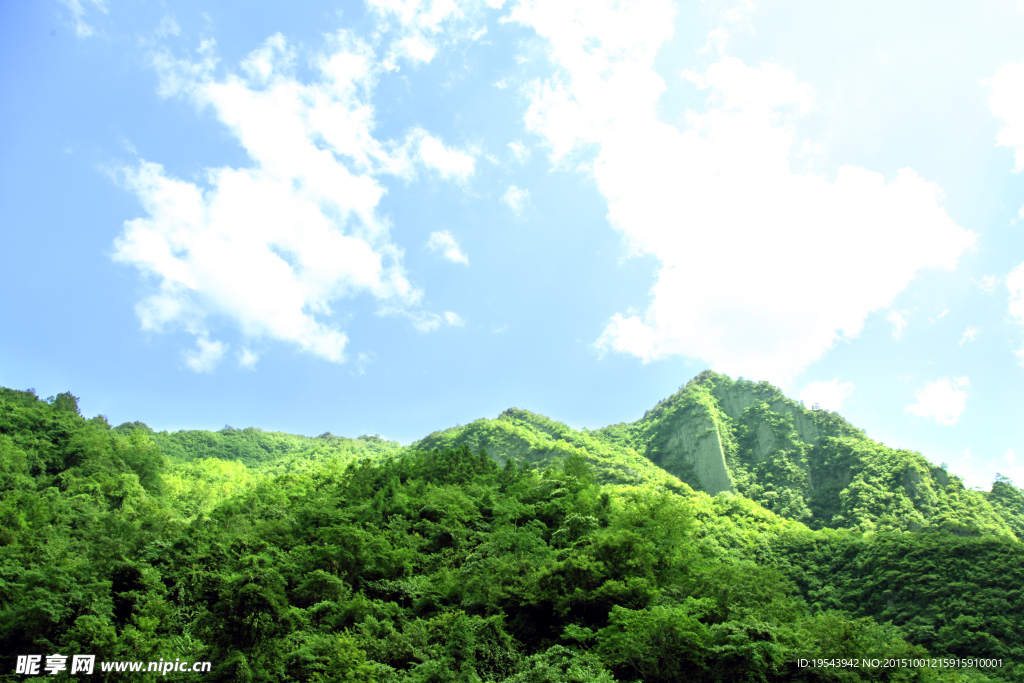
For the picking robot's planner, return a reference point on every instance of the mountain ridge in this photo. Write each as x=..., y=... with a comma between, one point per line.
x=289, y=558
x=714, y=435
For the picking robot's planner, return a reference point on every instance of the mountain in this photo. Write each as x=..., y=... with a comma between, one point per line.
x=526, y=437
x=715, y=435
x=729, y=534
x=739, y=437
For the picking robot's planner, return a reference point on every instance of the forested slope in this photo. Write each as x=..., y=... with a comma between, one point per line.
x=527, y=437
x=805, y=464
x=267, y=451
x=379, y=563
x=714, y=434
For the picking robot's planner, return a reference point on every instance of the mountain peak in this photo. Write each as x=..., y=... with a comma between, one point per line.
x=806, y=464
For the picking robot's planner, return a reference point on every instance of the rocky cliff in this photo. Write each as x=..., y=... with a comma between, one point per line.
x=527, y=438
x=810, y=465
x=725, y=436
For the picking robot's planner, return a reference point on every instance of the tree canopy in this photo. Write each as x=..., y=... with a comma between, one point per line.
x=508, y=551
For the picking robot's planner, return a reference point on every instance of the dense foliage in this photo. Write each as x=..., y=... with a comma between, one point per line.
x=811, y=465
x=957, y=596
x=333, y=559
x=269, y=452
x=524, y=436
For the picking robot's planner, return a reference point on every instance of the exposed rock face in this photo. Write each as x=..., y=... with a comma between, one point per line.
x=765, y=441
x=717, y=435
x=911, y=480
x=697, y=442
x=524, y=437
x=734, y=399
x=741, y=437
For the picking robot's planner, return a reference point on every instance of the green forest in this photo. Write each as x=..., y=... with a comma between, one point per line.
x=731, y=534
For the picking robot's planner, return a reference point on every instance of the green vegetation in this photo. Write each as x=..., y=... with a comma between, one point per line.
x=807, y=465
x=954, y=595
x=269, y=452
x=515, y=550
x=526, y=437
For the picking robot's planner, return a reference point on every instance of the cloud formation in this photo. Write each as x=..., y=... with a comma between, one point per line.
x=941, y=400
x=447, y=161
x=1006, y=102
x=826, y=395
x=899, y=323
x=1015, y=283
x=444, y=242
x=515, y=198
x=519, y=151
x=761, y=268
x=247, y=359
x=78, y=12
x=206, y=356
x=987, y=283
x=425, y=321
x=274, y=245
x=454, y=319
x=421, y=25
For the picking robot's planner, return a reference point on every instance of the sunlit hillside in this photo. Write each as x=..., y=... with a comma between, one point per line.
x=730, y=534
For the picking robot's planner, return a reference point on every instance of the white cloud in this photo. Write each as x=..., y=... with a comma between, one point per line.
x=1007, y=103
x=421, y=25
x=969, y=334
x=78, y=12
x=444, y=242
x=969, y=469
x=1014, y=474
x=274, y=245
x=1015, y=283
x=827, y=395
x=942, y=314
x=183, y=77
x=516, y=198
x=247, y=358
x=987, y=283
x=425, y=321
x=362, y=360
x=519, y=151
x=899, y=323
x=1012, y=471
x=206, y=357
x=430, y=322
x=168, y=27
x=454, y=319
x=757, y=262
x=941, y=400
x=447, y=161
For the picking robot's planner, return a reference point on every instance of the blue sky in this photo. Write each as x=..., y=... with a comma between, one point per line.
x=395, y=216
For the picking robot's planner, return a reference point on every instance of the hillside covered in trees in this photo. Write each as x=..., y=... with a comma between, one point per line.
x=731, y=534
